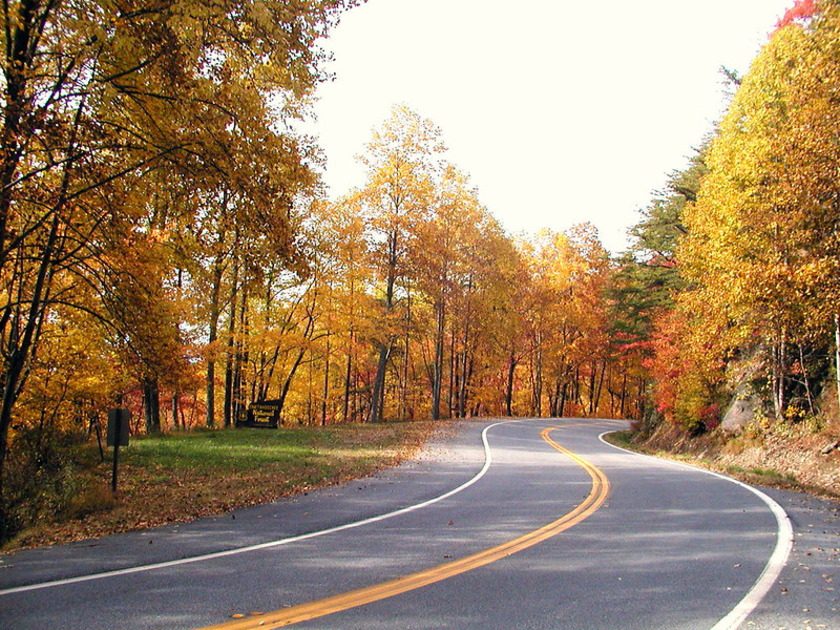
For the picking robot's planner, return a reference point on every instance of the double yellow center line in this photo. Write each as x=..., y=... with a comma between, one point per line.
x=336, y=603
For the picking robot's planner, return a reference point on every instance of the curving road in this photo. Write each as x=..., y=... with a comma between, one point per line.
x=540, y=525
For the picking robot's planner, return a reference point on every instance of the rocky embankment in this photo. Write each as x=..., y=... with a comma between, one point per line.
x=801, y=456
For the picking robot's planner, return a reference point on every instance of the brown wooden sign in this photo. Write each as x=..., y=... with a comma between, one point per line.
x=263, y=414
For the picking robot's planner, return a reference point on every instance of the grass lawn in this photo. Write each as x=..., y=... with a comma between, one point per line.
x=183, y=476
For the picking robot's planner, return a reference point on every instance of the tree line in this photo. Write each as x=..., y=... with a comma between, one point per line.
x=416, y=304
x=142, y=142
x=166, y=244
x=731, y=287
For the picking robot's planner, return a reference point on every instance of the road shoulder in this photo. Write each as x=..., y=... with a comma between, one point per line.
x=447, y=460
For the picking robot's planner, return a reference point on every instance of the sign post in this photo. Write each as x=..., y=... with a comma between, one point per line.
x=118, y=420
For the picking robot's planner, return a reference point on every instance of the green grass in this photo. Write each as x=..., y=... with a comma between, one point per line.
x=621, y=438
x=227, y=450
x=182, y=476
x=767, y=475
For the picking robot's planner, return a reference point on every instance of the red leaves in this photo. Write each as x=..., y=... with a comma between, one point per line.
x=628, y=347
x=710, y=416
x=661, y=261
x=801, y=10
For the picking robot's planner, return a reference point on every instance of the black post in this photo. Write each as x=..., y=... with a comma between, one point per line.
x=118, y=432
x=117, y=438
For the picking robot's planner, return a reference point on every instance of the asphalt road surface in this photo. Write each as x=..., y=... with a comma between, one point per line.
x=511, y=524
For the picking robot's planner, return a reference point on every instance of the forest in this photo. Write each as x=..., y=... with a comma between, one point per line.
x=166, y=244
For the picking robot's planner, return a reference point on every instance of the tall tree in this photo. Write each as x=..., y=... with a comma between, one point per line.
x=95, y=94
x=401, y=163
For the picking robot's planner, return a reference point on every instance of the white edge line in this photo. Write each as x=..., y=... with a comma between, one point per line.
x=488, y=459
x=777, y=560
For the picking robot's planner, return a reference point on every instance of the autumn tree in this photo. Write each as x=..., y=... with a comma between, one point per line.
x=441, y=262
x=643, y=292
x=401, y=162
x=97, y=95
x=762, y=232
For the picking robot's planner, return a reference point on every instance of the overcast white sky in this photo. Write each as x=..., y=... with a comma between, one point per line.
x=561, y=112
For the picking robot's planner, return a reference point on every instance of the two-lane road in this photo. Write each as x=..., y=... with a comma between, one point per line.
x=522, y=524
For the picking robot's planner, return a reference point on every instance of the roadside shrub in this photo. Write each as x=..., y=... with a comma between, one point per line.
x=39, y=479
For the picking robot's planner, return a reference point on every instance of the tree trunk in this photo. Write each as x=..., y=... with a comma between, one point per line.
x=511, y=373
x=437, y=374
x=22, y=37
x=593, y=370
x=324, y=404
x=240, y=360
x=385, y=347
x=264, y=372
x=307, y=335
x=356, y=409
x=837, y=357
x=623, y=392
x=555, y=405
x=806, y=381
x=461, y=411
x=346, y=412
x=151, y=404
x=15, y=371
x=563, y=395
x=463, y=391
x=176, y=406
x=538, y=379
x=284, y=390
x=347, y=373
x=309, y=405
x=464, y=378
x=640, y=402
x=230, y=354
x=452, y=375
x=378, y=393
x=600, y=385
x=552, y=403
x=778, y=376
x=406, y=359
x=210, y=419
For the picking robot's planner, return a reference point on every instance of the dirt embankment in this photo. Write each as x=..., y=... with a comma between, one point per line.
x=798, y=456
